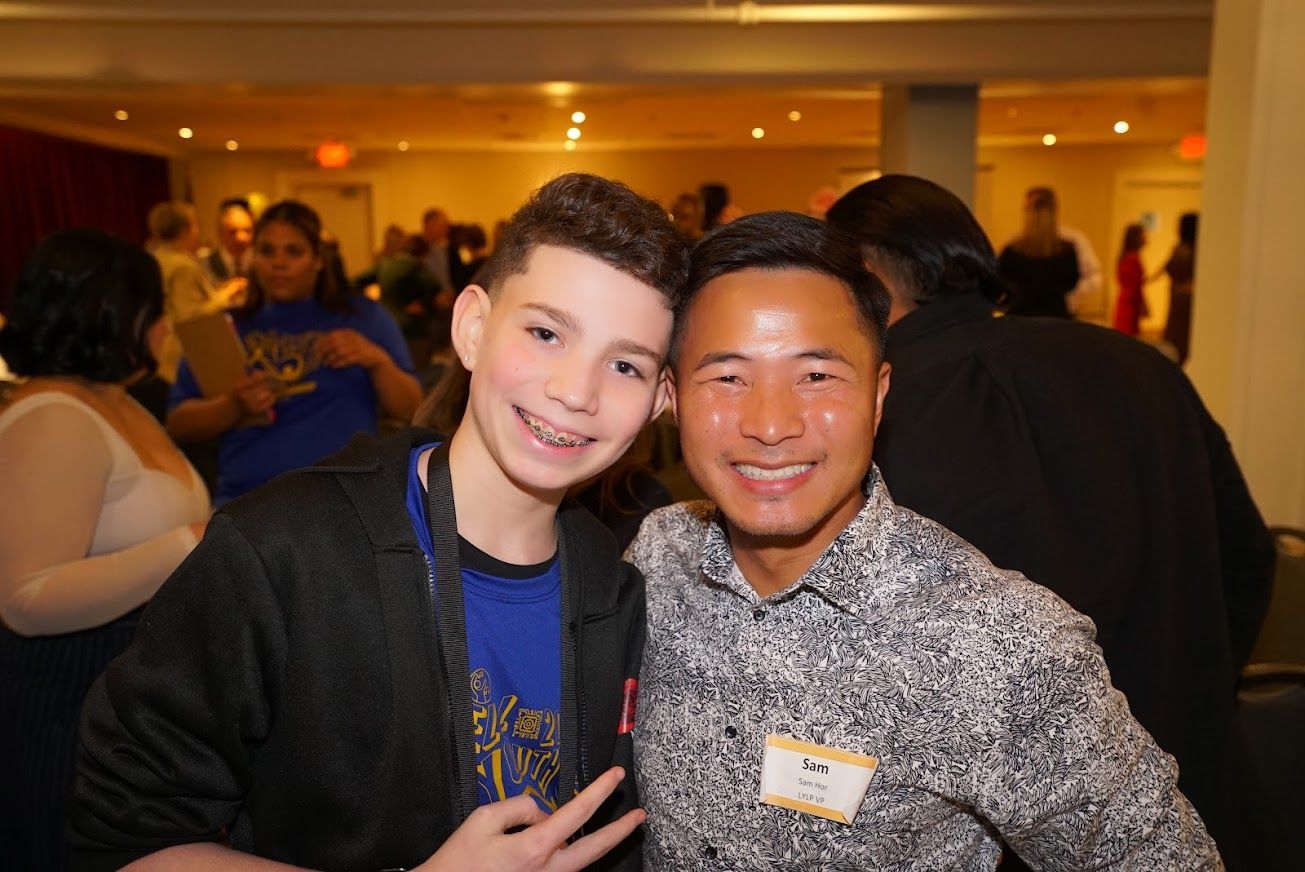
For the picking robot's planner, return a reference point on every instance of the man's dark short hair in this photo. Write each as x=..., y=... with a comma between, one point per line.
x=923, y=235
x=782, y=241
x=235, y=203
x=83, y=305
x=598, y=217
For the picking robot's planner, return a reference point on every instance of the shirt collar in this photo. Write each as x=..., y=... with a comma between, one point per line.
x=844, y=573
x=938, y=314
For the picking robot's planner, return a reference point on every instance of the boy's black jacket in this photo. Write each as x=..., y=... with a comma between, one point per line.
x=288, y=684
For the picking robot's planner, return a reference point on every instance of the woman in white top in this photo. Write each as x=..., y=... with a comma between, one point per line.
x=97, y=507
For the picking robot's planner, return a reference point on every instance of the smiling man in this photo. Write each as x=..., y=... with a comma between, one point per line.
x=831, y=681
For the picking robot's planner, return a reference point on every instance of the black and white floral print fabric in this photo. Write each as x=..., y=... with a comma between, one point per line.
x=983, y=696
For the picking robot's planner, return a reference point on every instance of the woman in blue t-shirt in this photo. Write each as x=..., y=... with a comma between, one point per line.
x=321, y=362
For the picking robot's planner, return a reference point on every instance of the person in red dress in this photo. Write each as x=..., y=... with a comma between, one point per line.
x=1130, y=308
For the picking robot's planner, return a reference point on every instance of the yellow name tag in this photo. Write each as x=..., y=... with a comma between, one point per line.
x=814, y=779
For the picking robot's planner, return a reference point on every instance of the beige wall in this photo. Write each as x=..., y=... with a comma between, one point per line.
x=1248, y=323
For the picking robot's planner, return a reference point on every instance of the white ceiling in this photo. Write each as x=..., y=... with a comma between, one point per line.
x=314, y=42
x=505, y=74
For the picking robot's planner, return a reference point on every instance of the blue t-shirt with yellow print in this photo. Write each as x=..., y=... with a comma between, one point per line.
x=514, y=656
x=319, y=409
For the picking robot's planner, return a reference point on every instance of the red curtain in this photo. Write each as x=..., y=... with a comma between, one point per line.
x=48, y=183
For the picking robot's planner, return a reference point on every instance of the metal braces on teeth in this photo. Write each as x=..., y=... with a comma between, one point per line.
x=550, y=438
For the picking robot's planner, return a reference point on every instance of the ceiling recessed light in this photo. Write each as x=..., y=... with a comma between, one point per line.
x=569, y=145
x=1121, y=127
x=403, y=145
x=578, y=117
x=1049, y=139
x=758, y=132
x=795, y=115
x=185, y=133
x=573, y=133
x=232, y=145
x=121, y=115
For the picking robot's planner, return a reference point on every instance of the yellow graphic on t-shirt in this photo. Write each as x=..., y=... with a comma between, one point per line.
x=514, y=745
x=286, y=358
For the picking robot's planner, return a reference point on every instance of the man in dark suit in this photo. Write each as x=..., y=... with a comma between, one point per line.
x=230, y=258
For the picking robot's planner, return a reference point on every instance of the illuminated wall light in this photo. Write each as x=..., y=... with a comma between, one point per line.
x=185, y=133
x=758, y=132
x=795, y=115
x=232, y=145
x=1192, y=146
x=578, y=118
x=569, y=145
x=1049, y=139
x=332, y=154
x=121, y=115
x=573, y=133
x=403, y=145
x=1121, y=127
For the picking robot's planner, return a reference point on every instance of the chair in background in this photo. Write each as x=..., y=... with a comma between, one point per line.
x=1282, y=638
x=1271, y=716
x=1271, y=708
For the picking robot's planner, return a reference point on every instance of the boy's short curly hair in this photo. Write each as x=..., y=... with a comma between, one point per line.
x=598, y=217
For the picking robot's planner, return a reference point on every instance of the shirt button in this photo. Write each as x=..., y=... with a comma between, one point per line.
x=730, y=732
x=759, y=615
x=710, y=852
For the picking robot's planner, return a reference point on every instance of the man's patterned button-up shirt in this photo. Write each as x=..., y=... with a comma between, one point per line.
x=982, y=695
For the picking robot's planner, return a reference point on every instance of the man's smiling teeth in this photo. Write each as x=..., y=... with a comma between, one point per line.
x=548, y=435
x=756, y=473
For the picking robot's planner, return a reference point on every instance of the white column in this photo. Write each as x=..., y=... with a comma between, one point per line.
x=930, y=131
x=1248, y=323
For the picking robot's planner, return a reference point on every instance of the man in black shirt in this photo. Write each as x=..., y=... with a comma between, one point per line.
x=1081, y=458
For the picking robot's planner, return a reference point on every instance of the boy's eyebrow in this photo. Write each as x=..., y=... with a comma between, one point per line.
x=566, y=319
x=634, y=349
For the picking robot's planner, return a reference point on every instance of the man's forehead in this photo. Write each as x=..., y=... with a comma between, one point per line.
x=772, y=298
x=775, y=314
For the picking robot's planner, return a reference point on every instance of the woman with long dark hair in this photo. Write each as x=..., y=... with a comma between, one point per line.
x=99, y=507
x=322, y=363
x=1181, y=269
